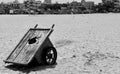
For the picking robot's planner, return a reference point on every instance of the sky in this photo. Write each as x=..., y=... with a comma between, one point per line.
x=60, y=1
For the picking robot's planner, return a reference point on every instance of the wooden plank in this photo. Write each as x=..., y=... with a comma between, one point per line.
x=42, y=41
x=20, y=55
x=35, y=47
x=29, y=49
x=17, y=49
x=23, y=44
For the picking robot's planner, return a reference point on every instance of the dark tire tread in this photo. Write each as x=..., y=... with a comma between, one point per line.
x=45, y=53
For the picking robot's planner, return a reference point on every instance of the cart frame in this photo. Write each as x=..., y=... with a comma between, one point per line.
x=38, y=52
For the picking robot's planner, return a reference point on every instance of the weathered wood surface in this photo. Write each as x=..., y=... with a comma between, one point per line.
x=24, y=51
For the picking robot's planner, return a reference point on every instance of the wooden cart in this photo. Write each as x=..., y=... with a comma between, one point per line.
x=34, y=45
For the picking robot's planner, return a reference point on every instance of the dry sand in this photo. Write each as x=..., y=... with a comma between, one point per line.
x=86, y=44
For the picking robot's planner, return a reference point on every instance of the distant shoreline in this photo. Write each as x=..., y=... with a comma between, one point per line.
x=54, y=14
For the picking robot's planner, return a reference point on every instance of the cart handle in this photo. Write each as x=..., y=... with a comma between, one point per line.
x=53, y=26
x=36, y=26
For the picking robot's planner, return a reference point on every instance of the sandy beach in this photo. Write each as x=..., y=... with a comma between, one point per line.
x=85, y=43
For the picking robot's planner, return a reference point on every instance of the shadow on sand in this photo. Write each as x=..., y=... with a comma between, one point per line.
x=62, y=43
x=29, y=68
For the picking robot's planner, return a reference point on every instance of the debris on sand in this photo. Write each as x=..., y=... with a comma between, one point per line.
x=74, y=56
x=93, y=56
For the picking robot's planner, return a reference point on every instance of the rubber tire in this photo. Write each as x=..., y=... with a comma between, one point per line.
x=45, y=53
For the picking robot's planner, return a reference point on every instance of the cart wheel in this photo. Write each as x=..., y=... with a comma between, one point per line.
x=50, y=56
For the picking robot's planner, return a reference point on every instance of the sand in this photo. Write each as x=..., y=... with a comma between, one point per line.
x=86, y=43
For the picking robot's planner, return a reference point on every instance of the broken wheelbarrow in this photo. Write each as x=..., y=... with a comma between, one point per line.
x=34, y=45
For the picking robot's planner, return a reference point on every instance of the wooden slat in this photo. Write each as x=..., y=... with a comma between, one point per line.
x=23, y=44
x=42, y=41
x=17, y=49
x=33, y=47
x=36, y=46
x=29, y=50
x=23, y=48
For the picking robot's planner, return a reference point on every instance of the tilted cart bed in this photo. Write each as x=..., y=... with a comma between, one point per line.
x=35, y=44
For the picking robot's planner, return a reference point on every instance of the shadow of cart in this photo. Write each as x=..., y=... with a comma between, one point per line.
x=30, y=68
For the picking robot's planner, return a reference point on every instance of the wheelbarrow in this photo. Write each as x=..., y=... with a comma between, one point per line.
x=35, y=44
